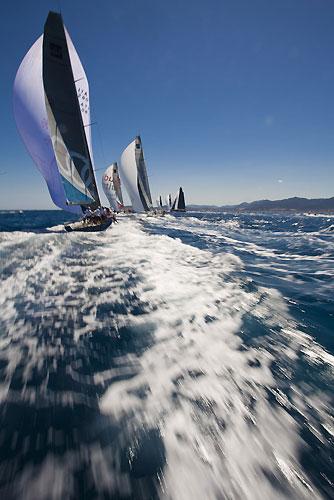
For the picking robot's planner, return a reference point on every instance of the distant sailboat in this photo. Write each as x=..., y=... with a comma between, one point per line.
x=111, y=184
x=51, y=109
x=134, y=176
x=159, y=203
x=179, y=204
x=169, y=201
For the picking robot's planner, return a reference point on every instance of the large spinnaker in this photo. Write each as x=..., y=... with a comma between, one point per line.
x=112, y=187
x=32, y=123
x=133, y=173
x=65, y=114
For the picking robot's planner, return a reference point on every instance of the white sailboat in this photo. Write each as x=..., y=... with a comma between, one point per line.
x=54, y=120
x=111, y=184
x=134, y=176
x=179, y=204
x=169, y=202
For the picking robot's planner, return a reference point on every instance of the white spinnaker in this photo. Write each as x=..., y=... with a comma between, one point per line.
x=32, y=122
x=129, y=175
x=108, y=187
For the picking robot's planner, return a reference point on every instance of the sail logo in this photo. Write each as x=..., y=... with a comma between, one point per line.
x=83, y=100
x=45, y=123
x=107, y=179
x=80, y=176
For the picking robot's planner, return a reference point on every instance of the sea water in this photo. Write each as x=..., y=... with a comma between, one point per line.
x=181, y=357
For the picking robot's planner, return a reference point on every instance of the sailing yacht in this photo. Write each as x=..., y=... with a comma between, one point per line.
x=169, y=202
x=54, y=121
x=179, y=204
x=111, y=184
x=134, y=176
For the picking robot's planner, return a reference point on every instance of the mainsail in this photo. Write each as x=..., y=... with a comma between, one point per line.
x=133, y=172
x=54, y=119
x=179, y=204
x=64, y=112
x=112, y=187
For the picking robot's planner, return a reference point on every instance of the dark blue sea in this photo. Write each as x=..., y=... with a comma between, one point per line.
x=185, y=357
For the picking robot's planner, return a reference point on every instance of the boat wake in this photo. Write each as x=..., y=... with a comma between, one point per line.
x=142, y=363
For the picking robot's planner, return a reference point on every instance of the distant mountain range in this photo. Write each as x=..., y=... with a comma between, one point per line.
x=298, y=204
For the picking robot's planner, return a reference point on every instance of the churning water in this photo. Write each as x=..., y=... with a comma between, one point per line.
x=183, y=357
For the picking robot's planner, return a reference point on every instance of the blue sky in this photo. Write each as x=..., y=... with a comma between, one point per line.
x=233, y=99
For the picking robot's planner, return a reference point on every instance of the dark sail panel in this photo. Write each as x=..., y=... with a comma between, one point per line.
x=64, y=116
x=181, y=202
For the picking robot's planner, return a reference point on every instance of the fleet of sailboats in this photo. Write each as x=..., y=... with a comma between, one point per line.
x=54, y=123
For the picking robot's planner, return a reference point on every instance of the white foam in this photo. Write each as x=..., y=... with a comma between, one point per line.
x=206, y=391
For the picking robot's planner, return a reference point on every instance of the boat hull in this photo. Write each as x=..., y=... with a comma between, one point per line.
x=156, y=213
x=87, y=227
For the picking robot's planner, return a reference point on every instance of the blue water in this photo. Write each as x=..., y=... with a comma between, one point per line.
x=177, y=357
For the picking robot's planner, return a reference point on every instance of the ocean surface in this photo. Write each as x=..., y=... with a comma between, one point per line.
x=185, y=357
